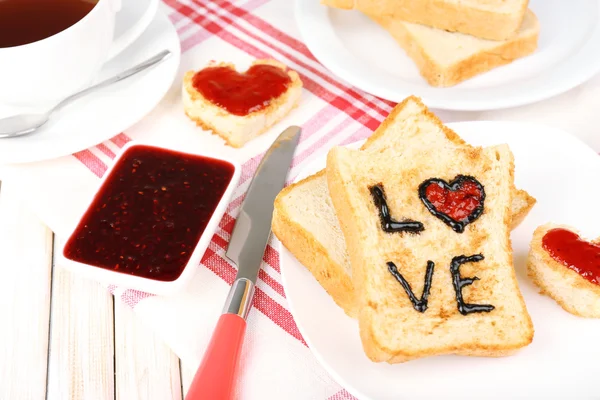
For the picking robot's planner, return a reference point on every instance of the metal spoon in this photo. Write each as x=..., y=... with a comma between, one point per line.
x=25, y=124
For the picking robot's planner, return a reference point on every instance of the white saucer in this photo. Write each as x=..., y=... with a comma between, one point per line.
x=561, y=362
x=106, y=113
x=363, y=54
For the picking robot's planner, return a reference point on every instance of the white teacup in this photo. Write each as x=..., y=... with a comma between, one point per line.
x=44, y=72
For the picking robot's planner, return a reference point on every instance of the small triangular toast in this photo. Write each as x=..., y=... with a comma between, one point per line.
x=574, y=293
x=427, y=233
x=304, y=219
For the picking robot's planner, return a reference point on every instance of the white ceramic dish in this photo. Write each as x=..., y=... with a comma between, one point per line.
x=144, y=284
x=108, y=112
x=365, y=55
x=562, y=360
x=44, y=72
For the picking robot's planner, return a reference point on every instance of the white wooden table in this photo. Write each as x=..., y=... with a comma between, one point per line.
x=63, y=337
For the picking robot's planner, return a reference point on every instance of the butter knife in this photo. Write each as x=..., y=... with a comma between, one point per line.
x=216, y=376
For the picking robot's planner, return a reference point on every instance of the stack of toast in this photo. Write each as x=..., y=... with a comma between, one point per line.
x=410, y=236
x=451, y=41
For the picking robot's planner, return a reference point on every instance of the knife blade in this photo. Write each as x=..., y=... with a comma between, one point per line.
x=215, y=377
x=253, y=225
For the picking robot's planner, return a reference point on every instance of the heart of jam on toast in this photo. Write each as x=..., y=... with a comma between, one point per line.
x=457, y=203
x=569, y=249
x=242, y=93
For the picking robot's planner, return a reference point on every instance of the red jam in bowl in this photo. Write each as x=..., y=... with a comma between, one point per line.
x=573, y=252
x=150, y=213
x=242, y=93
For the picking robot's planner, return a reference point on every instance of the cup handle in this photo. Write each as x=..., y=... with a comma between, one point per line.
x=119, y=44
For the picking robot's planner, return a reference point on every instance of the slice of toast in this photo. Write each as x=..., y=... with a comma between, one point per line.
x=494, y=20
x=568, y=288
x=433, y=273
x=237, y=130
x=447, y=58
x=304, y=219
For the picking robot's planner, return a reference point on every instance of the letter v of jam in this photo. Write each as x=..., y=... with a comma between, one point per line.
x=150, y=213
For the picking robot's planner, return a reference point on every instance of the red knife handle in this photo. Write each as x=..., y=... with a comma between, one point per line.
x=215, y=378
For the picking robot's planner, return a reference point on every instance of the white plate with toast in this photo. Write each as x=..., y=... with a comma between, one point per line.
x=562, y=359
x=363, y=53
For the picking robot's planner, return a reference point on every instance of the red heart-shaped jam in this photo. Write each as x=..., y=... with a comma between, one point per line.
x=569, y=249
x=457, y=203
x=242, y=93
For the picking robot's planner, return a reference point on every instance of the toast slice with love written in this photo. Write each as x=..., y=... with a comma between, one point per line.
x=427, y=233
x=304, y=219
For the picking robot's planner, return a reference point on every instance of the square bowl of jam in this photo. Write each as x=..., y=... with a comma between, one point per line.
x=152, y=218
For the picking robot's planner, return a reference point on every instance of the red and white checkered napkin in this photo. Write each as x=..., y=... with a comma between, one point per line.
x=276, y=363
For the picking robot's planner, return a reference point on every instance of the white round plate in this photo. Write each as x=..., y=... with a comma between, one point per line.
x=108, y=112
x=561, y=362
x=359, y=51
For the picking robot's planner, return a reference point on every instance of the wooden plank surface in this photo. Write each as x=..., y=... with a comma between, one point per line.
x=66, y=337
x=81, y=359
x=26, y=263
x=187, y=375
x=145, y=367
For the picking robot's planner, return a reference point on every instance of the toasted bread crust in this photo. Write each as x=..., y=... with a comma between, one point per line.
x=524, y=203
x=441, y=76
x=441, y=14
x=389, y=120
x=571, y=291
x=379, y=353
x=206, y=126
x=312, y=254
x=199, y=102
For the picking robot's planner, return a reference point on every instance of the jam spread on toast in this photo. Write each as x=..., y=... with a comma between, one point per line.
x=150, y=213
x=242, y=93
x=387, y=223
x=569, y=249
x=457, y=203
